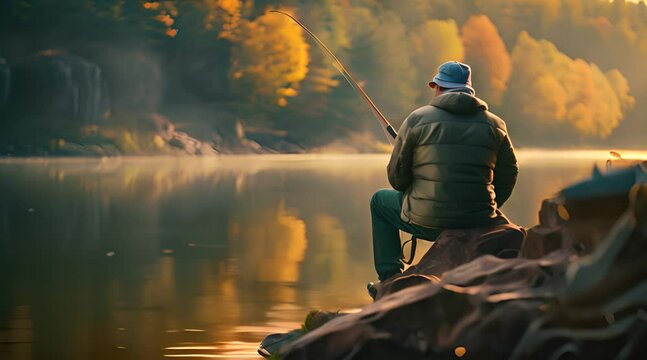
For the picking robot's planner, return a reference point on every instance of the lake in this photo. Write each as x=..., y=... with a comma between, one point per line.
x=141, y=258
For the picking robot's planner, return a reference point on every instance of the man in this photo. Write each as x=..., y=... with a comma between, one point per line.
x=453, y=166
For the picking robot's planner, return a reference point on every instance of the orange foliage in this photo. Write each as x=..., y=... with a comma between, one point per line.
x=552, y=88
x=224, y=14
x=165, y=19
x=488, y=56
x=166, y=14
x=151, y=5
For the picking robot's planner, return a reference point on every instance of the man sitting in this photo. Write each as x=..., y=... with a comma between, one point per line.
x=453, y=166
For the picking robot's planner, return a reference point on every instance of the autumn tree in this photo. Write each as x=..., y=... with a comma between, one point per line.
x=223, y=15
x=556, y=93
x=514, y=16
x=270, y=58
x=433, y=43
x=326, y=19
x=325, y=103
x=488, y=56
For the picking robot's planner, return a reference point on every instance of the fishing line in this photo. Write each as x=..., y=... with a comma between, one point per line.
x=388, y=136
x=349, y=78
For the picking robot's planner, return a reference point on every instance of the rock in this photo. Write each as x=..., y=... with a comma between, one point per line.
x=179, y=142
x=5, y=81
x=559, y=305
x=433, y=319
x=454, y=248
x=189, y=145
x=273, y=343
x=582, y=214
x=58, y=89
x=274, y=141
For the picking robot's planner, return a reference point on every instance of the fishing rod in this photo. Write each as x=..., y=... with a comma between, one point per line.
x=347, y=75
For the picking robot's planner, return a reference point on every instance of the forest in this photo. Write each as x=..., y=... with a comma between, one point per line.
x=107, y=77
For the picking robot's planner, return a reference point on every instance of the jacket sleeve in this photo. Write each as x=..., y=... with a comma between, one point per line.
x=399, y=169
x=505, y=172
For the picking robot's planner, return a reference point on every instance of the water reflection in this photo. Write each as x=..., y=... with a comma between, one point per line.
x=180, y=257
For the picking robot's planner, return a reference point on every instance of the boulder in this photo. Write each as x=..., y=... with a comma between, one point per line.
x=454, y=248
x=189, y=145
x=5, y=81
x=584, y=298
x=58, y=89
x=581, y=215
x=179, y=142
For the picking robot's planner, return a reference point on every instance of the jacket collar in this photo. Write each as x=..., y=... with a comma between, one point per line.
x=459, y=103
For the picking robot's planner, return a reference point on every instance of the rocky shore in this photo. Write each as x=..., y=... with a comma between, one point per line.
x=59, y=104
x=577, y=289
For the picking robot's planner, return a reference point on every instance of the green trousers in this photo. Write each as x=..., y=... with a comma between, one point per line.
x=386, y=205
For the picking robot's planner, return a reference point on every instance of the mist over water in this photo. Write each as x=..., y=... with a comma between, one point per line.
x=151, y=257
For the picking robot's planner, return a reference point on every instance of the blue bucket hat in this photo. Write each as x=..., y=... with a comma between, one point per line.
x=452, y=75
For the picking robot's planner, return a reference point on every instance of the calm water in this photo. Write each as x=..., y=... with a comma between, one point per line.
x=188, y=257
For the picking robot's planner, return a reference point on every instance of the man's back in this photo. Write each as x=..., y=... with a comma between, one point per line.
x=454, y=162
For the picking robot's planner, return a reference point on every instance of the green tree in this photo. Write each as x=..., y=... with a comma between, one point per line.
x=381, y=54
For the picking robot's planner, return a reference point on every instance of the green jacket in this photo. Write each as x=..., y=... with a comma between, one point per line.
x=454, y=162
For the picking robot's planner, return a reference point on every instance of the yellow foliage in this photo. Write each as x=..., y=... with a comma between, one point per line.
x=513, y=16
x=436, y=42
x=488, y=56
x=230, y=6
x=225, y=13
x=547, y=88
x=287, y=92
x=272, y=55
x=159, y=142
x=620, y=86
x=128, y=143
x=642, y=45
x=553, y=88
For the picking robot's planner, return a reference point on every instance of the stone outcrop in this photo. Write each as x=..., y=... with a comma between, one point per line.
x=580, y=217
x=5, y=82
x=57, y=89
x=454, y=248
x=61, y=104
x=584, y=296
